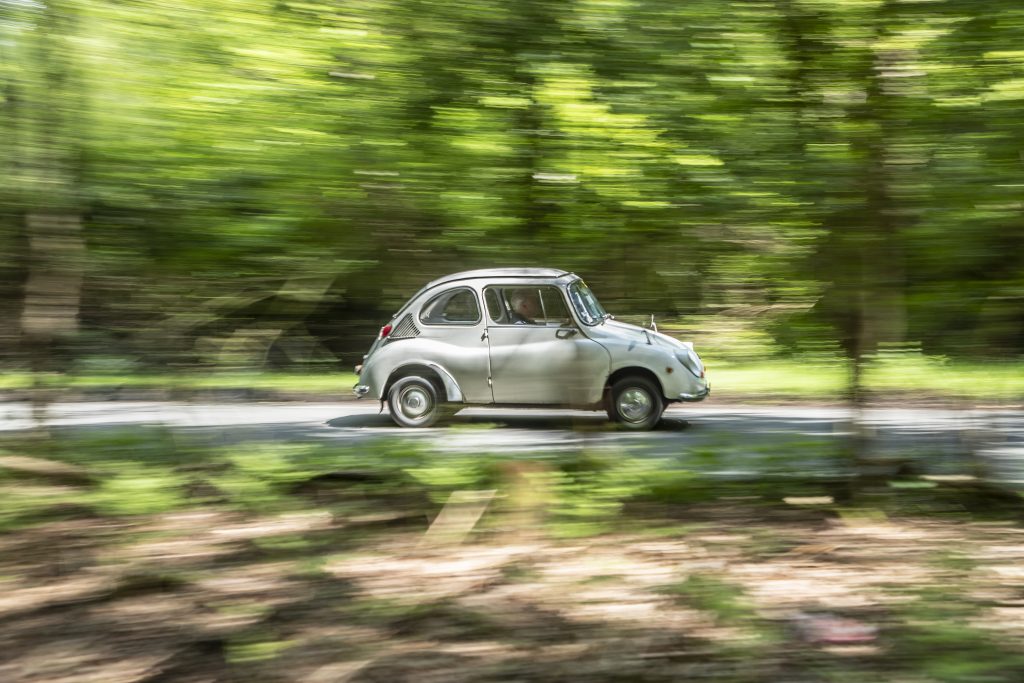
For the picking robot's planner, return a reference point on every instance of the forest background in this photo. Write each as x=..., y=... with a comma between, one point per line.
x=258, y=186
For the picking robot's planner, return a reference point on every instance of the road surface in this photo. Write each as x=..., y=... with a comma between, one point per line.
x=724, y=441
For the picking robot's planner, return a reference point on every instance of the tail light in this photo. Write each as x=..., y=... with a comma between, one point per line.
x=385, y=331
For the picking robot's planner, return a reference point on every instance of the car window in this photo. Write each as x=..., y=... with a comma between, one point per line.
x=586, y=304
x=526, y=305
x=553, y=306
x=454, y=307
x=495, y=307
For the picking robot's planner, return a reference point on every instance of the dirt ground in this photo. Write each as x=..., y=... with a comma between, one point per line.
x=730, y=591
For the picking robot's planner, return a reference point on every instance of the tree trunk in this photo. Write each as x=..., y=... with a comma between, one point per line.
x=53, y=292
x=50, y=126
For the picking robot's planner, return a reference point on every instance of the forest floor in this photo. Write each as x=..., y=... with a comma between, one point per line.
x=270, y=568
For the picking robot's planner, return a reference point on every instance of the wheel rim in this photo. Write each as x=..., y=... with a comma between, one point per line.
x=414, y=402
x=635, y=405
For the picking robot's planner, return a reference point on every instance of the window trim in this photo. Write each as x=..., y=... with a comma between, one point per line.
x=461, y=323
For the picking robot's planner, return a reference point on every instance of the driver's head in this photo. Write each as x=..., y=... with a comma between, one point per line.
x=524, y=302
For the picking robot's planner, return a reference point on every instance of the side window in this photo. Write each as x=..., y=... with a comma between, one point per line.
x=454, y=307
x=553, y=306
x=495, y=307
x=526, y=305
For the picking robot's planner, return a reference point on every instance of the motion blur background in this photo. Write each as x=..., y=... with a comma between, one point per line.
x=827, y=196
x=260, y=185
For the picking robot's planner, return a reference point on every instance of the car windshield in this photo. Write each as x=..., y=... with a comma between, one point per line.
x=586, y=304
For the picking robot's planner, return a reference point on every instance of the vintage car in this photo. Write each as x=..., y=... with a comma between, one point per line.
x=523, y=337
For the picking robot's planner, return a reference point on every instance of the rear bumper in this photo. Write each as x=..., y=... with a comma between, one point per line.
x=360, y=390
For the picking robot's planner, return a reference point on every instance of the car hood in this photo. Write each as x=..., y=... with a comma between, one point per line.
x=615, y=330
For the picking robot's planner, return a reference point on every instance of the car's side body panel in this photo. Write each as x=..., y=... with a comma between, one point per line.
x=538, y=365
x=466, y=365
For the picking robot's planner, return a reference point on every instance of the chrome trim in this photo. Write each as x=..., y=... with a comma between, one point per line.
x=360, y=390
x=699, y=396
x=635, y=405
x=414, y=402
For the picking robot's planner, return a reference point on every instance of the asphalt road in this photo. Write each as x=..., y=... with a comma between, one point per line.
x=724, y=441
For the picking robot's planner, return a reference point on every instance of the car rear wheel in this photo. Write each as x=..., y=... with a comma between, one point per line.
x=413, y=402
x=635, y=403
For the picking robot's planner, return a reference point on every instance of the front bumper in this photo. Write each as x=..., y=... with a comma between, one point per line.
x=699, y=396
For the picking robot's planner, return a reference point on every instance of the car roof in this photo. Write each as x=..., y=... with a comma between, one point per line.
x=499, y=273
x=535, y=273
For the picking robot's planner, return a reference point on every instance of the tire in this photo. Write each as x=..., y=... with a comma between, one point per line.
x=635, y=403
x=413, y=402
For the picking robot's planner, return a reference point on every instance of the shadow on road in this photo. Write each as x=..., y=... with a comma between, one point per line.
x=595, y=422
x=361, y=421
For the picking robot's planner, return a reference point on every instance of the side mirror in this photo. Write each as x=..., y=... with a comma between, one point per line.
x=566, y=332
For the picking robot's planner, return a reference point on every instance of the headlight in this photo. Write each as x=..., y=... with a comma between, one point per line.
x=691, y=361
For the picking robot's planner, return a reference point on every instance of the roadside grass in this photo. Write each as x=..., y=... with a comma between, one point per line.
x=993, y=380
x=814, y=378
x=138, y=471
x=325, y=383
x=790, y=378
x=895, y=375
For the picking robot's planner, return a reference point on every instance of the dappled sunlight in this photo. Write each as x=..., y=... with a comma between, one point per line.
x=786, y=446
x=282, y=563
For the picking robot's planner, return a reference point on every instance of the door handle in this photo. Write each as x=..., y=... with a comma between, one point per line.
x=483, y=336
x=566, y=332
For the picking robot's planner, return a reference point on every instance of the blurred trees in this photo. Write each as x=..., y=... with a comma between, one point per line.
x=43, y=179
x=271, y=180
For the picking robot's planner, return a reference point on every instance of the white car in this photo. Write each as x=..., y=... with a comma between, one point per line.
x=523, y=337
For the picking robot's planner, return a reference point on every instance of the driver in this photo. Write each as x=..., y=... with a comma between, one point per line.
x=525, y=307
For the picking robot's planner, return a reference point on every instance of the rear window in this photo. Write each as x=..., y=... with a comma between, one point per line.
x=454, y=307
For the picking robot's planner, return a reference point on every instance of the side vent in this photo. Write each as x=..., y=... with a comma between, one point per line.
x=405, y=329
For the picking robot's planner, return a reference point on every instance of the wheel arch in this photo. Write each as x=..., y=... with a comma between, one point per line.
x=443, y=381
x=634, y=370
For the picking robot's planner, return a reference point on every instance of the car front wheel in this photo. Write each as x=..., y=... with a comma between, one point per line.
x=413, y=402
x=635, y=403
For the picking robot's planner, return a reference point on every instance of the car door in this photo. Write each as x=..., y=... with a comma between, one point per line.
x=542, y=359
x=452, y=334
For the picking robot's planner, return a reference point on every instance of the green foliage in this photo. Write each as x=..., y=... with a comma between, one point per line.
x=941, y=639
x=675, y=486
x=251, y=650
x=136, y=490
x=588, y=491
x=453, y=473
x=263, y=187
x=24, y=504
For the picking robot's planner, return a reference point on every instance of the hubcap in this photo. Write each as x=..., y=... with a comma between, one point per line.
x=635, y=405
x=414, y=402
